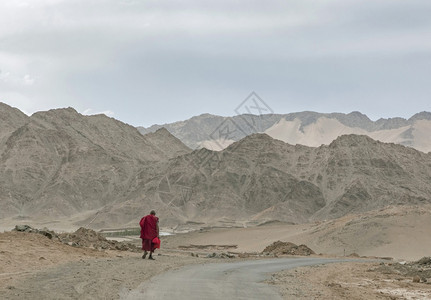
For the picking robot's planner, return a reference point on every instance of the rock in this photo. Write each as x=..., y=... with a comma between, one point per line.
x=226, y=255
x=22, y=228
x=424, y=261
x=221, y=255
x=46, y=233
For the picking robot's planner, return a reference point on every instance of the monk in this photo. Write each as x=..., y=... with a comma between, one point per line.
x=149, y=230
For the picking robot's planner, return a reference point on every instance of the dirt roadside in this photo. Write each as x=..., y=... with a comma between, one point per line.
x=103, y=278
x=32, y=266
x=349, y=281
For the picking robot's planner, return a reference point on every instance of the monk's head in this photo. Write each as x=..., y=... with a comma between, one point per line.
x=153, y=213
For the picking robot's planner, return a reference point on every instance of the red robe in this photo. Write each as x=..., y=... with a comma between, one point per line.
x=148, y=232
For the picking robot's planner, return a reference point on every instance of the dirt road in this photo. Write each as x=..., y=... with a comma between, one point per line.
x=241, y=280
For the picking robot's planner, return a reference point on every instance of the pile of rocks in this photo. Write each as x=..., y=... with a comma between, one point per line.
x=419, y=271
x=287, y=248
x=83, y=237
x=423, y=262
x=220, y=255
x=46, y=232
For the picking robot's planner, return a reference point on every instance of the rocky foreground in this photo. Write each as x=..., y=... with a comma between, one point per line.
x=360, y=280
x=42, y=264
x=33, y=266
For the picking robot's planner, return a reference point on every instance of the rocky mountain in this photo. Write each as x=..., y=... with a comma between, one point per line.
x=10, y=120
x=100, y=173
x=305, y=128
x=166, y=143
x=260, y=179
x=59, y=163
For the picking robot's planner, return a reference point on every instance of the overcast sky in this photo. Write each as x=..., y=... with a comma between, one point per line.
x=158, y=61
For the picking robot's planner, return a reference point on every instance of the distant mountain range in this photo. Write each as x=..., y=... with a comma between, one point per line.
x=305, y=128
x=59, y=163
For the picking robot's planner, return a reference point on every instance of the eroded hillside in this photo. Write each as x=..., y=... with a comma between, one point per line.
x=58, y=164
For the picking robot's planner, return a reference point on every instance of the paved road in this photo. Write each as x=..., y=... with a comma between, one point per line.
x=240, y=280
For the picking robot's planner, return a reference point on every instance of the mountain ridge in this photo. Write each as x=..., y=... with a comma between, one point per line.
x=307, y=128
x=288, y=183
x=60, y=162
x=104, y=173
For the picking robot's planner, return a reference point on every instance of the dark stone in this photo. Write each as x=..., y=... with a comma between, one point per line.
x=22, y=228
x=46, y=233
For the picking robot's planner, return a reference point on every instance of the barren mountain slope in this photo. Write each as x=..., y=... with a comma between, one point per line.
x=325, y=130
x=10, y=120
x=166, y=143
x=260, y=179
x=107, y=174
x=353, y=174
x=61, y=163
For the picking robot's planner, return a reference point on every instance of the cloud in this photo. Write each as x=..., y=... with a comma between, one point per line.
x=157, y=61
x=28, y=80
x=15, y=80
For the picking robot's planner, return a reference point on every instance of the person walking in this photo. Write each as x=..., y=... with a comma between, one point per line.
x=149, y=231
